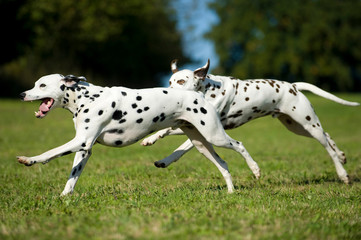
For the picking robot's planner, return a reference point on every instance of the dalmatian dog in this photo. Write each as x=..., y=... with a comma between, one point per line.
x=119, y=116
x=240, y=101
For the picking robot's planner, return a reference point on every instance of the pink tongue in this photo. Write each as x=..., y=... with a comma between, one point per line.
x=43, y=106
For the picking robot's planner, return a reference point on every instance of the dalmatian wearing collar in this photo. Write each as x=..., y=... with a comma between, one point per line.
x=119, y=116
x=240, y=101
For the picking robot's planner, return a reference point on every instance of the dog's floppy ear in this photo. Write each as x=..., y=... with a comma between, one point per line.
x=201, y=73
x=173, y=66
x=71, y=80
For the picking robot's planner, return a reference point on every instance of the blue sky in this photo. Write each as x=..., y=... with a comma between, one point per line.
x=194, y=19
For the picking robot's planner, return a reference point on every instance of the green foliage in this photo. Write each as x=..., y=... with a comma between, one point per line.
x=128, y=42
x=121, y=195
x=313, y=41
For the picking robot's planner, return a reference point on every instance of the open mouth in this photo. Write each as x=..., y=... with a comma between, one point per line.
x=44, y=108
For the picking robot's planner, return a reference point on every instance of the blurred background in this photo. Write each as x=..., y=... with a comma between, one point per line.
x=131, y=42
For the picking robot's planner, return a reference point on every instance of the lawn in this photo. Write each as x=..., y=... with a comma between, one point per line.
x=121, y=195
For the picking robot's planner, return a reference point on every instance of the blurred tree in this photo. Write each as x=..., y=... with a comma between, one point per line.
x=14, y=33
x=128, y=42
x=317, y=41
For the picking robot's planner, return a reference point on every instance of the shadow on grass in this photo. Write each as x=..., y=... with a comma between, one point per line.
x=269, y=182
x=321, y=180
x=236, y=187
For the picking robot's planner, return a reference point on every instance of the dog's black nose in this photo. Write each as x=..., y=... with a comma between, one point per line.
x=22, y=95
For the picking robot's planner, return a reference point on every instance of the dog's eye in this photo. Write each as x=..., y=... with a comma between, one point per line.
x=181, y=81
x=42, y=85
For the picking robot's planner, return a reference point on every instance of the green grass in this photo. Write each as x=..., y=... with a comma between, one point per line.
x=121, y=195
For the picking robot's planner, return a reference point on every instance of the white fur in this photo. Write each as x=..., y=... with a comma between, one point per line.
x=240, y=101
x=119, y=116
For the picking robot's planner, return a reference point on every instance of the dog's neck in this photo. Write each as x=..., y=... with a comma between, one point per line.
x=76, y=97
x=211, y=83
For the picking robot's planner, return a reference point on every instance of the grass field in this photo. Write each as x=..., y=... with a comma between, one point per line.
x=121, y=195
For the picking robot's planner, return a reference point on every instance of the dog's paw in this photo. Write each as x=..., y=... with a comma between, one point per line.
x=346, y=179
x=66, y=193
x=256, y=171
x=160, y=164
x=25, y=160
x=145, y=143
x=149, y=141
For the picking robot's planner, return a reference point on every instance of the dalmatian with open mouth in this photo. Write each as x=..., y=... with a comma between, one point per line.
x=119, y=116
x=240, y=101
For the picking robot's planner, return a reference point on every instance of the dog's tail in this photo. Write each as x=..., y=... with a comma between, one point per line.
x=318, y=91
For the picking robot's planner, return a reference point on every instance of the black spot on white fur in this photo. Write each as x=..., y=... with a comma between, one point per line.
x=203, y=110
x=162, y=117
x=66, y=153
x=117, y=115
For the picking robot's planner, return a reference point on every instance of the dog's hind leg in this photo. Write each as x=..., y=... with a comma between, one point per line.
x=213, y=131
x=238, y=147
x=218, y=137
x=80, y=160
x=337, y=156
x=306, y=123
x=177, y=154
x=207, y=150
x=341, y=155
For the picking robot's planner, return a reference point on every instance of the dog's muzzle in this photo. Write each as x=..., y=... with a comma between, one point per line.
x=22, y=96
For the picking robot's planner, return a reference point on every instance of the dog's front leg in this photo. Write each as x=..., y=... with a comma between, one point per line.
x=75, y=145
x=80, y=160
x=175, y=156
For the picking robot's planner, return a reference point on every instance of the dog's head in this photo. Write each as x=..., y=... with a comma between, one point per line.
x=50, y=90
x=187, y=79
